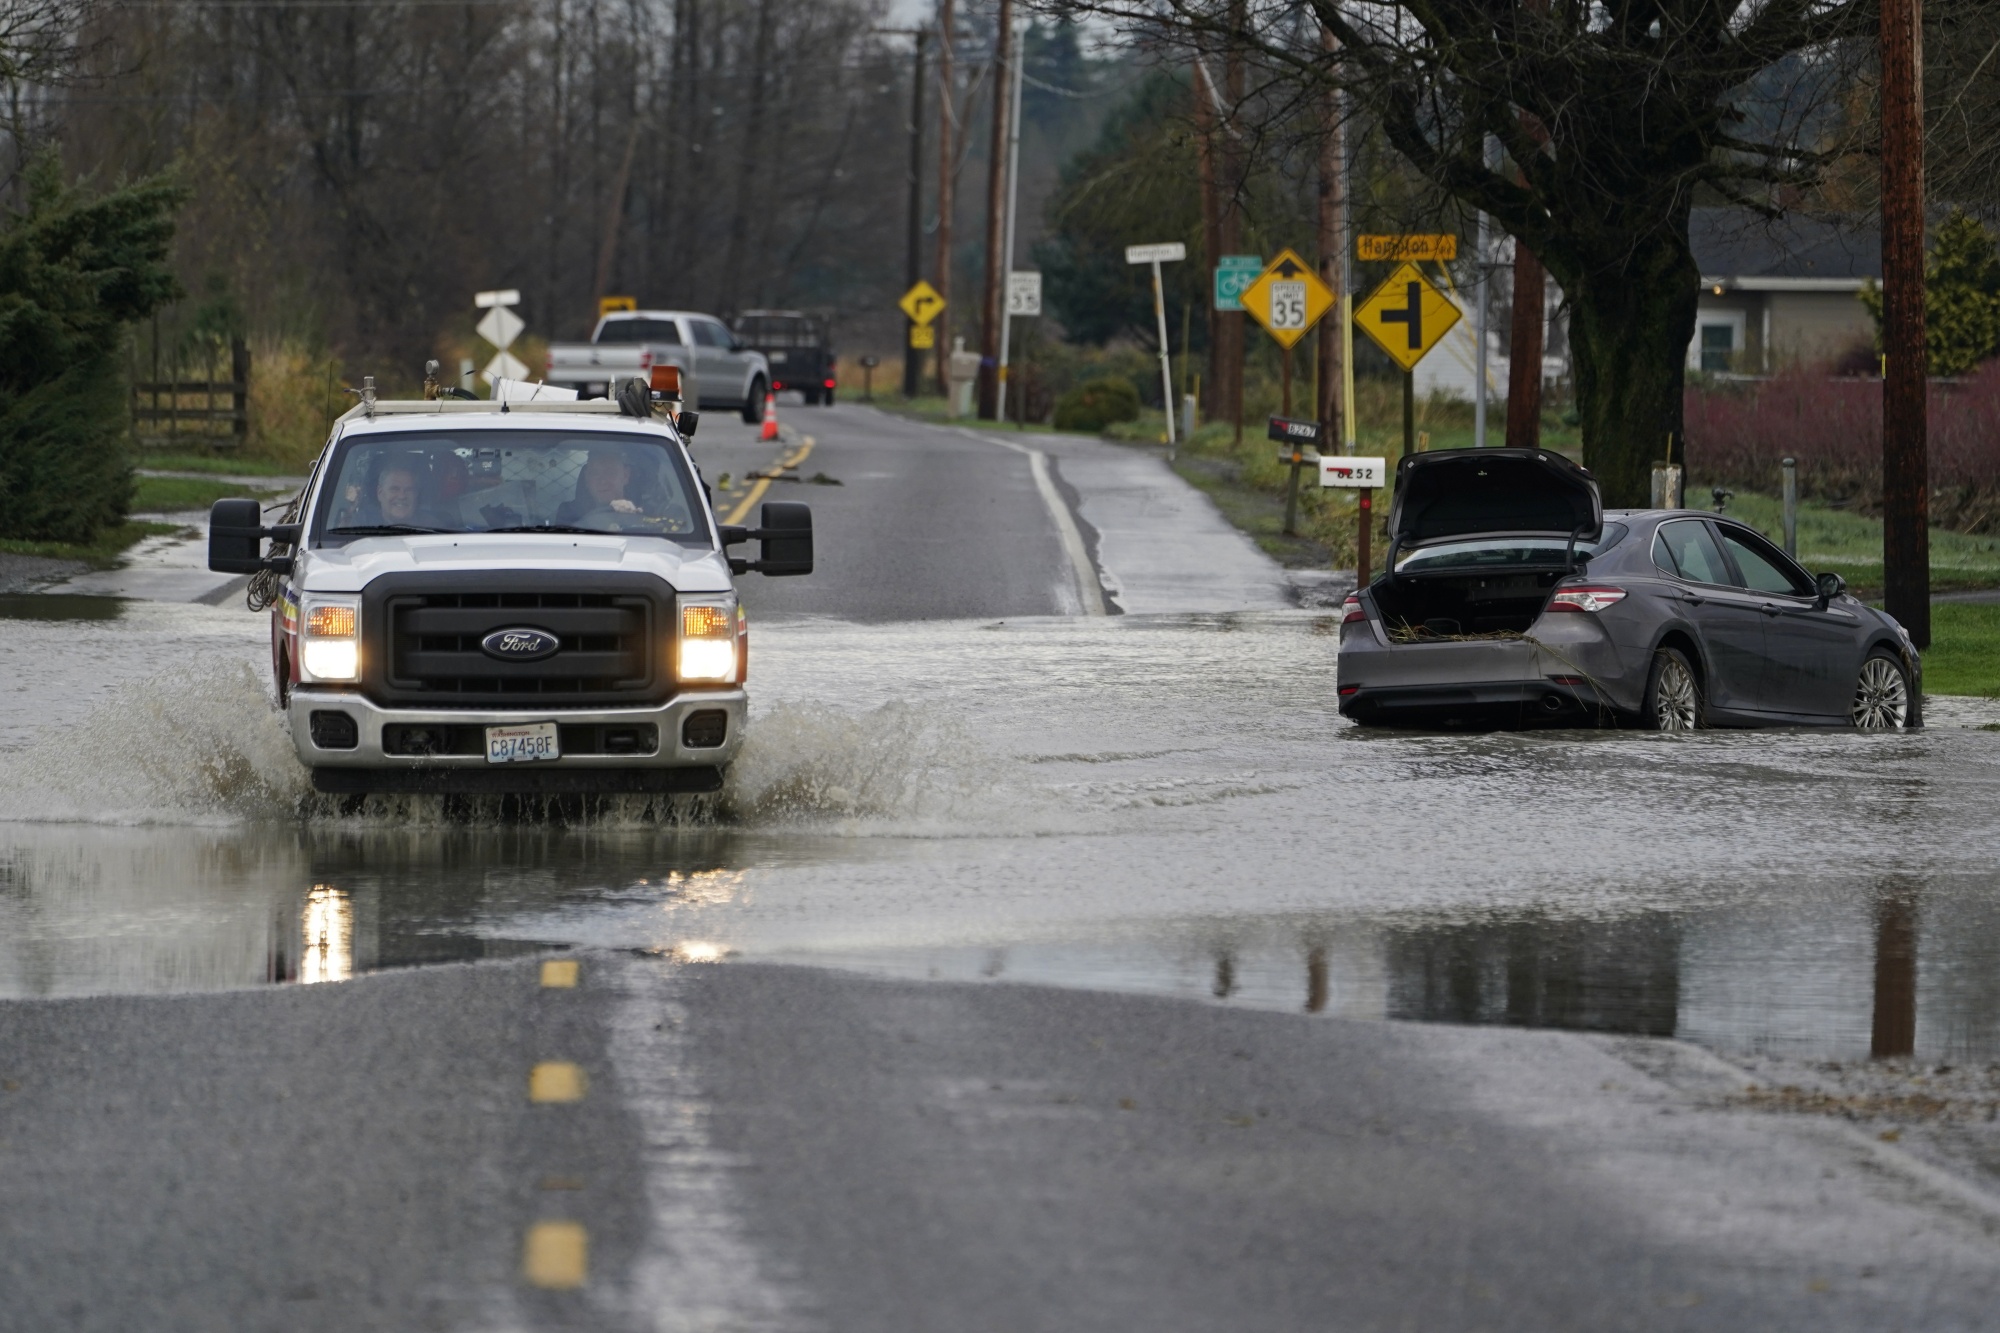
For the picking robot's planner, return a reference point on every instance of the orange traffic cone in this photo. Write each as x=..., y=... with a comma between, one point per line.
x=770, y=431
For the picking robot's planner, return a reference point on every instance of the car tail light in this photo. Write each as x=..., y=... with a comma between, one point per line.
x=1350, y=610
x=1593, y=598
x=829, y=384
x=645, y=360
x=1349, y=689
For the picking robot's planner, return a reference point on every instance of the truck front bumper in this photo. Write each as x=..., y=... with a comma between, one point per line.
x=352, y=744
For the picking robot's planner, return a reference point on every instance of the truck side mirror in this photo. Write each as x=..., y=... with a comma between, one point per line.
x=686, y=422
x=236, y=533
x=787, y=536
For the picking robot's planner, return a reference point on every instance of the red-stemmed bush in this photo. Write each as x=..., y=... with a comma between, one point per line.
x=1739, y=434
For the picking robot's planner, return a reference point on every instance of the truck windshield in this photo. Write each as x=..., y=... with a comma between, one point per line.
x=1536, y=550
x=508, y=481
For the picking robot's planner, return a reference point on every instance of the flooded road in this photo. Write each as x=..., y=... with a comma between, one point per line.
x=1051, y=957
x=1159, y=804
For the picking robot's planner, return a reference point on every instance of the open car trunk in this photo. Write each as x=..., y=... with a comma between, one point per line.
x=1443, y=606
x=1479, y=538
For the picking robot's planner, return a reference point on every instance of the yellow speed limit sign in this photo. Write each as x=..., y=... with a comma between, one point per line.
x=1406, y=316
x=1287, y=298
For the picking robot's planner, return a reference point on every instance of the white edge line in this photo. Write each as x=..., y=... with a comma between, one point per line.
x=1089, y=592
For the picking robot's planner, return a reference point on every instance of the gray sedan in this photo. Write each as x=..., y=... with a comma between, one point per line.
x=1513, y=598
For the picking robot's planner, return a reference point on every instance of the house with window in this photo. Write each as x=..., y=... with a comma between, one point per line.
x=1775, y=294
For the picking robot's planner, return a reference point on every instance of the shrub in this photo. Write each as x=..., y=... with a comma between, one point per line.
x=1833, y=427
x=74, y=271
x=1095, y=404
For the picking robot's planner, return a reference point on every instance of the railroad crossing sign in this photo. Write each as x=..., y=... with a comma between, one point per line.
x=1024, y=294
x=922, y=303
x=1406, y=316
x=1287, y=298
x=1232, y=274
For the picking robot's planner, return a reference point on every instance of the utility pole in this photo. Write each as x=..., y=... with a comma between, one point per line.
x=1230, y=349
x=1205, y=127
x=996, y=207
x=1332, y=250
x=913, y=359
x=947, y=169
x=1524, y=366
x=1013, y=197
x=1906, y=556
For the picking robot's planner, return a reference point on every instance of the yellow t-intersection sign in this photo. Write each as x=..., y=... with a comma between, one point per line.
x=1406, y=316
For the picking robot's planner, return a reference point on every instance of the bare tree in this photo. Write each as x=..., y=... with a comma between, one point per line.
x=1615, y=117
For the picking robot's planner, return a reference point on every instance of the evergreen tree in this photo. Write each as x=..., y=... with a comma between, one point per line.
x=1961, y=297
x=76, y=269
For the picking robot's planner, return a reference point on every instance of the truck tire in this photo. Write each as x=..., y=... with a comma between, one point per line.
x=826, y=398
x=753, y=405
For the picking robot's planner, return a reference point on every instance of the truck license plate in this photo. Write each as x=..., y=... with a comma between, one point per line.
x=523, y=744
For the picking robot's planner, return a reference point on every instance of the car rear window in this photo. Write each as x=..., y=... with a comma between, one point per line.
x=639, y=331
x=777, y=331
x=1533, y=551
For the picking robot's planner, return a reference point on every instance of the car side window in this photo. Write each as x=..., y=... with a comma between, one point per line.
x=1693, y=551
x=1763, y=568
x=710, y=334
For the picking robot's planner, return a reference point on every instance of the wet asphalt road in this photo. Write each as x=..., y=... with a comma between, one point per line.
x=782, y=1147
x=925, y=524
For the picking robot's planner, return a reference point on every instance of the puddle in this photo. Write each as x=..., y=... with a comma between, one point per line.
x=1167, y=805
x=59, y=606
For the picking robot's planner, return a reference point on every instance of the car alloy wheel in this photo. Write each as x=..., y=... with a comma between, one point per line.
x=1676, y=701
x=1881, y=695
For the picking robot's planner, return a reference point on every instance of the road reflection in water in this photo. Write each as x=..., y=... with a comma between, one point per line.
x=1163, y=805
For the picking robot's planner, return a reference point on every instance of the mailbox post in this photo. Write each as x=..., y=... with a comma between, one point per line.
x=1365, y=475
x=1295, y=436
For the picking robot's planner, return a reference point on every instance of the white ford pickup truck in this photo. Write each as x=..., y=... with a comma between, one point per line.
x=505, y=597
x=719, y=369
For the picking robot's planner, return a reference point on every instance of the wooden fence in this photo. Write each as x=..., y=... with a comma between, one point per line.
x=175, y=410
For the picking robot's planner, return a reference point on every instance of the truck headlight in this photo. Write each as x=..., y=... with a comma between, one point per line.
x=708, y=642
x=330, y=631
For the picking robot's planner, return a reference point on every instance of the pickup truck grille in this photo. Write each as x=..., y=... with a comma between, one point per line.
x=430, y=650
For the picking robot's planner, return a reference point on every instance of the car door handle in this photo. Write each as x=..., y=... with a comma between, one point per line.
x=1691, y=599
x=1774, y=611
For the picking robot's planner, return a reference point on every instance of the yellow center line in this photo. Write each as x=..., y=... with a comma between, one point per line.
x=756, y=492
x=559, y=974
x=555, y=1081
x=556, y=1255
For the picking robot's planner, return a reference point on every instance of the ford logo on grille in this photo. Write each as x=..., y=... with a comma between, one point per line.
x=520, y=645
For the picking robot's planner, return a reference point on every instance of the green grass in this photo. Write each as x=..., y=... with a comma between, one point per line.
x=103, y=552
x=1850, y=544
x=228, y=466
x=1964, y=656
x=173, y=495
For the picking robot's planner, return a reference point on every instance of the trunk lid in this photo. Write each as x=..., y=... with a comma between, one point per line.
x=1456, y=493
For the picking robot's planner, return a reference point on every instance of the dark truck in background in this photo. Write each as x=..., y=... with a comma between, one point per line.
x=798, y=346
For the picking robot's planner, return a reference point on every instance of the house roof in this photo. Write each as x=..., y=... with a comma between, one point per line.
x=1745, y=251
